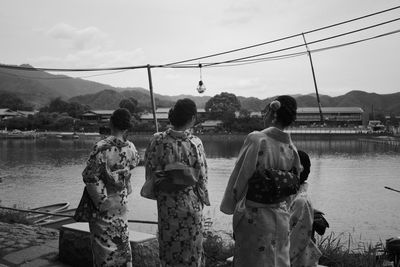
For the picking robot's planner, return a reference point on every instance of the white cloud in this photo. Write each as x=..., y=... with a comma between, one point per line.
x=240, y=12
x=79, y=39
x=88, y=47
x=93, y=58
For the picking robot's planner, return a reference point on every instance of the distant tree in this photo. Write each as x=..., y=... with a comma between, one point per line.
x=224, y=102
x=58, y=105
x=12, y=101
x=20, y=123
x=130, y=104
x=223, y=107
x=244, y=113
x=75, y=109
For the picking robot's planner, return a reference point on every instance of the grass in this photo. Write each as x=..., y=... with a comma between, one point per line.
x=342, y=251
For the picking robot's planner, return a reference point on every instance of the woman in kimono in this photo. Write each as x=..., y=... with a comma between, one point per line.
x=261, y=230
x=107, y=177
x=176, y=176
x=303, y=250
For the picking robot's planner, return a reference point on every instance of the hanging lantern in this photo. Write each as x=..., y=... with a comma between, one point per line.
x=201, y=87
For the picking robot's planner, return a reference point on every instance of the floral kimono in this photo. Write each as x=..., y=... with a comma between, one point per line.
x=180, y=218
x=303, y=251
x=261, y=231
x=107, y=178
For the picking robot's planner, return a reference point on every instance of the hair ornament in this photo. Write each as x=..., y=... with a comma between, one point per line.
x=275, y=105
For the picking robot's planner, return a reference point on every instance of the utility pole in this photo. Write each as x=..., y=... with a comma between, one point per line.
x=153, y=103
x=315, y=80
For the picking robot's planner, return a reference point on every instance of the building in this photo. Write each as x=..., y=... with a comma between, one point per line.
x=162, y=115
x=332, y=116
x=97, y=115
x=209, y=126
x=6, y=113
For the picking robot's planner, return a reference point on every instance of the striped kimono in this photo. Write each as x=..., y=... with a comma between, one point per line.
x=261, y=230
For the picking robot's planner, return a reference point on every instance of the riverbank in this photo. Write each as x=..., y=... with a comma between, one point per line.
x=27, y=245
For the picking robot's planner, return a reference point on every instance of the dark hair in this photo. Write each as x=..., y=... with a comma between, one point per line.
x=182, y=112
x=121, y=119
x=286, y=114
x=305, y=161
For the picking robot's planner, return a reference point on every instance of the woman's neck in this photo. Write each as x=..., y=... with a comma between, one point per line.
x=179, y=129
x=119, y=135
x=277, y=125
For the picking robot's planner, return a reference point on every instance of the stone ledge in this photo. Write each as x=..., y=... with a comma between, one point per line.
x=75, y=249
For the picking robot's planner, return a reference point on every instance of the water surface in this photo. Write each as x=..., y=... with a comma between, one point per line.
x=346, y=182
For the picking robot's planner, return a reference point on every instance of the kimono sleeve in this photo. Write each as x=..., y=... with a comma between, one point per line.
x=244, y=168
x=135, y=159
x=91, y=177
x=203, y=177
x=152, y=164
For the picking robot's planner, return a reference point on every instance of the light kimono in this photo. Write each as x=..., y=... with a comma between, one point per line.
x=261, y=230
x=107, y=178
x=180, y=218
x=303, y=251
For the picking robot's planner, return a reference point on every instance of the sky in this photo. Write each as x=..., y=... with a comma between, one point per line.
x=103, y=33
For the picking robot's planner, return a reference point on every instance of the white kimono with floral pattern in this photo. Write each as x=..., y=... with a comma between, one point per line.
x=261, y=230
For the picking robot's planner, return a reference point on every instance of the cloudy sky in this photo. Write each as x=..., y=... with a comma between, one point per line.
x=101, y=33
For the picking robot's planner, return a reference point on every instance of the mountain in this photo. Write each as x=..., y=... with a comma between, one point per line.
x=37, y=88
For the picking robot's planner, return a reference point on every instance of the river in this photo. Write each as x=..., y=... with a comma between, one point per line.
x=346, y=182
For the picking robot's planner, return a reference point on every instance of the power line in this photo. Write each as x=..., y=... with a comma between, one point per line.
x=285, y=56
x=301, y=45
x=180, y=65
x=60, y=78
x=287, y=37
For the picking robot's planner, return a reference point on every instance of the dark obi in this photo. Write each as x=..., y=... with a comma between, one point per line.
x=272, y=186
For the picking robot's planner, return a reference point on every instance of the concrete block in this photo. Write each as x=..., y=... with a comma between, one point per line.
x=75, y=249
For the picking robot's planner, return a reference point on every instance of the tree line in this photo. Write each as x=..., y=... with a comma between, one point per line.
x=60, y=115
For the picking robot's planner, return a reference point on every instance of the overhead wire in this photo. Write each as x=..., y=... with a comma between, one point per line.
x=58, y=77
x=303, y=44
x=264, y=59
x=285, y=38
x=179, y=64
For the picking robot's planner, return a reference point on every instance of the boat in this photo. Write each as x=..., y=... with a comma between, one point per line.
x=54, y=208
x=55, y=222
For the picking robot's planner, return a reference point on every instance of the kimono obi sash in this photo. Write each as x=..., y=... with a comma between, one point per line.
x=272, y=186
x=176, y=176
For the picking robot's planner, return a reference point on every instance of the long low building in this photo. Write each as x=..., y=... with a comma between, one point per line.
x=162, y=114
x=331, y=115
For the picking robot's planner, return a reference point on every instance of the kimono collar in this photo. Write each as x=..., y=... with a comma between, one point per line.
x=277, y=134
x=113, y=141
x=178, y=134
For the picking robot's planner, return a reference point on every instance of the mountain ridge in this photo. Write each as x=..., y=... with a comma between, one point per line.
x=38, y=88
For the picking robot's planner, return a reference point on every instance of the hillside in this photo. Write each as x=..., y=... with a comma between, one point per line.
x=38, y=88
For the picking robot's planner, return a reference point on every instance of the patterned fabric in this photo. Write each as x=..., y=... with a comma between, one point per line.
x=261, y=236
x=303, y=251
x=180, y=219
x=261, y=230
x=272, y=186
x=180, y=227
x=172, y=147
x=107, y=178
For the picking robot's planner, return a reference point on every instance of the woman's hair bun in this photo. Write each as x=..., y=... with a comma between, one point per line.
x=121, y=119
x=182, y=112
